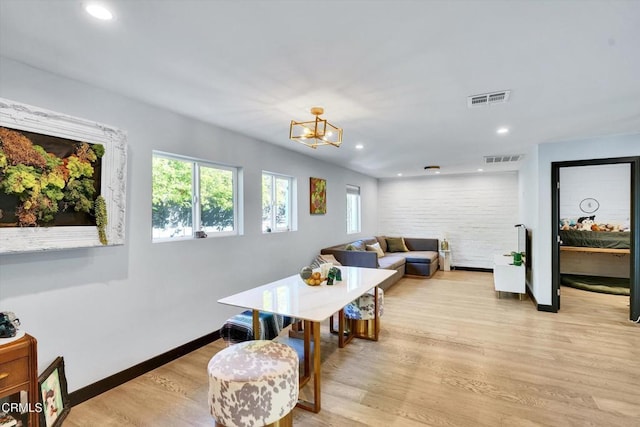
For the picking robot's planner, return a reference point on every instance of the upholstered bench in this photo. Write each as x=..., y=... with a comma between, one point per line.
x=239, y=328
x=254, y=383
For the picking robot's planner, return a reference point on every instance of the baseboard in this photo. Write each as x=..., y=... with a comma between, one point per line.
x=106, y=384
x=482, y=270
x=539, y=307
x=547, y=308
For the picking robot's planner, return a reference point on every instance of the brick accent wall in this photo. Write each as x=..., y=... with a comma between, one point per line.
x=475, y=212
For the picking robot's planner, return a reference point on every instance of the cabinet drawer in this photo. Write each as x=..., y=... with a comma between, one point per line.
x=14, y=372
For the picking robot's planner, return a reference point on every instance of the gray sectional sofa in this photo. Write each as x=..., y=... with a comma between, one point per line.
x=421, y=259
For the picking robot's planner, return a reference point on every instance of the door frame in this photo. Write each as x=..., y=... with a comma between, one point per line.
x=634, y=277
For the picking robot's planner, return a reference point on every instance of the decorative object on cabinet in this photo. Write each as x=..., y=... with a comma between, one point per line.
x=53, y=169
x=53, y=395
x=318, y=196
x=19, y=379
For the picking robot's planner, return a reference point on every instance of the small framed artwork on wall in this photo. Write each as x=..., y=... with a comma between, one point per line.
x=318, y=196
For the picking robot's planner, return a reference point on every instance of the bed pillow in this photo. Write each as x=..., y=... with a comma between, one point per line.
x=396, y=244
x=376, y=248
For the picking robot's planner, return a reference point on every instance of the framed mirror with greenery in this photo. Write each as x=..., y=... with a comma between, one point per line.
x=62, y=181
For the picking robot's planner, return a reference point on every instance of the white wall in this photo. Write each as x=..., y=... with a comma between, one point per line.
x=610, y=185
x=528, y=203
x=476, y=213
x=596, y=148
x=106, y=309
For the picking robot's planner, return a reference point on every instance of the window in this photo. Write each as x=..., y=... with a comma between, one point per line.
x=277, y=202
x=353, y=209
x=188, y=192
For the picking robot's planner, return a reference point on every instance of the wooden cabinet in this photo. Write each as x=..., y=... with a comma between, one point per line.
x=19, y=379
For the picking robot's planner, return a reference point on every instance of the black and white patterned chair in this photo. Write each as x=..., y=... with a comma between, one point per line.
x=239, y=328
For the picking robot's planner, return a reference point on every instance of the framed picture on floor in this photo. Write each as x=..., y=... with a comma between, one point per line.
x=52, y=385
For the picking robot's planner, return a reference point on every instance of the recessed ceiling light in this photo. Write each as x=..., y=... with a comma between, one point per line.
x=480, y=170
x=359, y=147
x=400, y=174
x=437, y=172
x=99, y=11
x=502, y=131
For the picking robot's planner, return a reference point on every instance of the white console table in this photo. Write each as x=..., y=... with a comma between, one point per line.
x=508, y=277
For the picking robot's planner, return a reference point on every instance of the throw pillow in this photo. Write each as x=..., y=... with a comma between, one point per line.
x=330, y=258
x=383, y=243
x=396, y=244
x=376, y=248
x=323, y=259
x=359, y=245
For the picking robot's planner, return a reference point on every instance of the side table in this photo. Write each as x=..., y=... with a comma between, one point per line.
x=19, y=378
x=445, y=260
x=508, y=277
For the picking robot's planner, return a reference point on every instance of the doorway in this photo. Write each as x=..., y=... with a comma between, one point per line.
x=588, y=206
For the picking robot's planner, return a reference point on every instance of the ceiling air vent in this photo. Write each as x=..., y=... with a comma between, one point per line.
x=505, y=158
x=488, y=98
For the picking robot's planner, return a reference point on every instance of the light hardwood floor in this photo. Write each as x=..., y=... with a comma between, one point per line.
x=450, y=354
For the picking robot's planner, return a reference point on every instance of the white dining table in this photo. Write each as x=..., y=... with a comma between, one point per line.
x=292, y=297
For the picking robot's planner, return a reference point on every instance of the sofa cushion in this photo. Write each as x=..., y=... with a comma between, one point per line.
x=422, y=257
x=383, y=243
x=421, y=244
x=396, y=244
x=391, y=261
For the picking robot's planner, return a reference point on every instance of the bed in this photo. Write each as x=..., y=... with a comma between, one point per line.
x=595, y=241
x=598, y=261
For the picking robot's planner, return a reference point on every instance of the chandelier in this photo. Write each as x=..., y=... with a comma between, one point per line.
x=315, y=132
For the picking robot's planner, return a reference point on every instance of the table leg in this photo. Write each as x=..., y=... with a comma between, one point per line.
x=376, y=315
x=256, y=324
x=312, y=329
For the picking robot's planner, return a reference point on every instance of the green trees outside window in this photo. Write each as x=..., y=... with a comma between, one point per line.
x=191, y=196
x=277, y=197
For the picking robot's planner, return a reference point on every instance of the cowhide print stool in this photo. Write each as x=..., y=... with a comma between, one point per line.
x=254, y=383
x=362, y=314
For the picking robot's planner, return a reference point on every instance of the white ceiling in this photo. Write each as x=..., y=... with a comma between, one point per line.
x=394, y=74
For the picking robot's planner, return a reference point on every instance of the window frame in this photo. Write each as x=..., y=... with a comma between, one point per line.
x=196, y=206
x=353, y=190
x=290, y=202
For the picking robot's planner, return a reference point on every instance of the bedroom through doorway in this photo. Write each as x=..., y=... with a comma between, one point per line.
x=595, y=214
